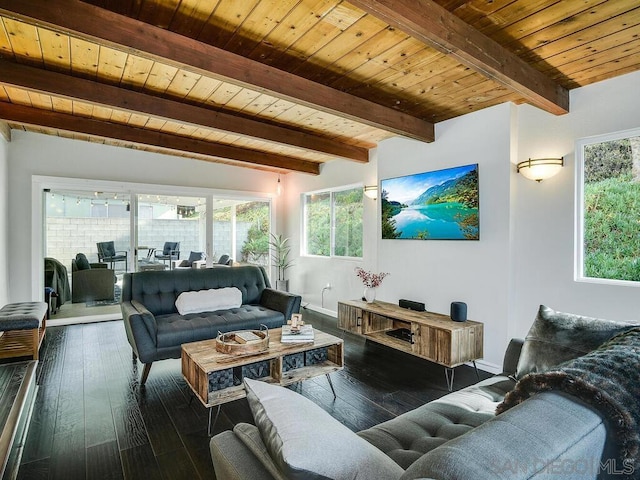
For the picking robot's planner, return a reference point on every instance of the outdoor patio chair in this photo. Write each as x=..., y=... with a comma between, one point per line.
x=107, y=253
x=170, y=252
x=225, y=260
x=196, y=260
x=91, y=281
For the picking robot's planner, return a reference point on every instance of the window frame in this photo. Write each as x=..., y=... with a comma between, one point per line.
x=579, y=275
x=303, y=234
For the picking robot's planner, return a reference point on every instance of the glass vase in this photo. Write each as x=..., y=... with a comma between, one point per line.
x=370, y=294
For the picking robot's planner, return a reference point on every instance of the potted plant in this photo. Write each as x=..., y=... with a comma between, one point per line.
x=281, y=260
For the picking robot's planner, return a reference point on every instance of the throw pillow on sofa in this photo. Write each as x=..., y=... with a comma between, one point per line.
x=209, y=300
x=305, y=442
x=81, y=262
x=556, y=337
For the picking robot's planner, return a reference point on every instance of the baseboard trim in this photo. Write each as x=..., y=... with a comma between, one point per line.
x=322, y=310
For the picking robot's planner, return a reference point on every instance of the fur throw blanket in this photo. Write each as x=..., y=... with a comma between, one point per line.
x=608, y=379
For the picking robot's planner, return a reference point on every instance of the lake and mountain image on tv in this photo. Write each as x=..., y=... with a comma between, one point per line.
x=438, y=205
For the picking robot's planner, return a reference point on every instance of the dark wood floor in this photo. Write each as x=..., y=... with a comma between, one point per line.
x=91, y=420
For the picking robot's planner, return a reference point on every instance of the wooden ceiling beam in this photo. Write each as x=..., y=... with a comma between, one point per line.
x=434, y=25
x=130, y=35
x=58, y=84
x=99, y=128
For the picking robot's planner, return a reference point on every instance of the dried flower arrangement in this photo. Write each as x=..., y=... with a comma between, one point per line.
x=370, y=280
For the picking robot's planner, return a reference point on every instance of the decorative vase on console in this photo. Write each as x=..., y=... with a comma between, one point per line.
x=370, y=294
x=371, y=281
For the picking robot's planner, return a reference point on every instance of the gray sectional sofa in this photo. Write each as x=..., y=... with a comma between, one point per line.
x=156, y=330
x=541, y=432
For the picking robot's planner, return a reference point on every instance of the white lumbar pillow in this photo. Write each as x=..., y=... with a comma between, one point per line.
x=208, y=300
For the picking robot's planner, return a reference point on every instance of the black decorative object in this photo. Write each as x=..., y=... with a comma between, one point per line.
x=411, y=305
x=401, y=333
x=221, y=379
x=458, y=311
x=257, y=370
x=293, y=361
x=600, y=379
x=315, y=356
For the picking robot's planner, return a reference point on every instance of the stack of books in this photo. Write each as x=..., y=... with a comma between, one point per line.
x=246, y=336
x=303, y=335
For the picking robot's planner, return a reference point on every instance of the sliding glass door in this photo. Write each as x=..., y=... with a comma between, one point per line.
x=87, y=249
x=253, y=224
x=169, y=229
x=145, y=231
x=77, y=221
x=241, y=231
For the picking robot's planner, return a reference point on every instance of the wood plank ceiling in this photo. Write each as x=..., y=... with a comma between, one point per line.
x=286, y=85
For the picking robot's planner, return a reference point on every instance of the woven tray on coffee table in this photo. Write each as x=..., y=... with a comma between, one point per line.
x=243, y=342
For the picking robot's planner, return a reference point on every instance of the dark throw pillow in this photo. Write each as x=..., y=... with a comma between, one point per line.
x=81, y=262
x=556, y=337
x=196, y=256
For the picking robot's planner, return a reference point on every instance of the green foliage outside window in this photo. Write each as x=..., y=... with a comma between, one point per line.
x=347, y=221
x=612, y=210
x=348, y=210
x=222, y=214
x=318, y=224
x=255, y=249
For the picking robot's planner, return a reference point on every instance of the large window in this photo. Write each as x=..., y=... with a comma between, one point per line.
x=75, y=221
x=333, y=223
x=609, y=208
x=179, y=222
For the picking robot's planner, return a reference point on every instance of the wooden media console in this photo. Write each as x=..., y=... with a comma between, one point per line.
x=429, y=335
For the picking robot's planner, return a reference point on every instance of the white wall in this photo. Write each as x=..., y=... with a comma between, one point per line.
x=435, y=272
x=545, y=212
x=309, y=275
x=4, y=221
x=438, y=272
x=35, y=154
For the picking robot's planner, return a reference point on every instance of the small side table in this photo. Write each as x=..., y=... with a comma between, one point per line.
x=23, y=327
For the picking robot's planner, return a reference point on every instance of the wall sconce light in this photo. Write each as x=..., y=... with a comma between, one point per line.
x=540, y=168
x=279, y=187
x=371, y=191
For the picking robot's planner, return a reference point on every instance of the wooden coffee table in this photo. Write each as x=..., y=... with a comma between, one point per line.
x=216, y=377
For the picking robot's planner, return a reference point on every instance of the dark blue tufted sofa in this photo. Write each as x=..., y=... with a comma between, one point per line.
x=156, y=330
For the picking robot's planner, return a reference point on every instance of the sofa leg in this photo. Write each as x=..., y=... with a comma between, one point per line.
x=145, y=373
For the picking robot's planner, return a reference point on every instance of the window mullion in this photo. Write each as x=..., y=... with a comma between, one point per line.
x=332, y=238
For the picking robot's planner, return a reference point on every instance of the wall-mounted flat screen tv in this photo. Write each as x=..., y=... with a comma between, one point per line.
x=438, y=205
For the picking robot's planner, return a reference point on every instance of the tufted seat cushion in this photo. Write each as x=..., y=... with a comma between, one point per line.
x=409, y=436
x=175, y=329
x=22, y=315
